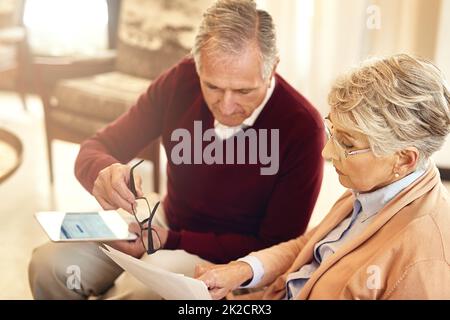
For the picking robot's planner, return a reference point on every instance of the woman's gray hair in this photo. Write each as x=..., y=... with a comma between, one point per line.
x=230, y=26
x=397, y=102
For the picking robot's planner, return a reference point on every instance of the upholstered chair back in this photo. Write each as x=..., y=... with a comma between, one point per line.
x=154, y=34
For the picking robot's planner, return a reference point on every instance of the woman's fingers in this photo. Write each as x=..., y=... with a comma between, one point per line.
x=218, y=294
x=199, y=270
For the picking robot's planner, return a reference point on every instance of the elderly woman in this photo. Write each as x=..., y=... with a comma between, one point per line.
x=388, y=236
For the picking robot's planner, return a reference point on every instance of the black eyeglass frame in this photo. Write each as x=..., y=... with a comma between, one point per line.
x=146, y=223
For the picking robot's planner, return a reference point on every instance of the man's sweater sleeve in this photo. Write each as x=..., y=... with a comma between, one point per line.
x=123, y=139
x=288, y=211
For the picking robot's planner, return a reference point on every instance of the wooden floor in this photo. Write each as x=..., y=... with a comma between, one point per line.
x=29, y=191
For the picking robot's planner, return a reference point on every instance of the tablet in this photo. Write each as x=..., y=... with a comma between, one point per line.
x=84, y=226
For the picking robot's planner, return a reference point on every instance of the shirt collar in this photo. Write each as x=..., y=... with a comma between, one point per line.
x=224, y=132
x=373, y=202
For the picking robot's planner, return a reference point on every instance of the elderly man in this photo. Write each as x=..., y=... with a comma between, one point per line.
x=229, y=100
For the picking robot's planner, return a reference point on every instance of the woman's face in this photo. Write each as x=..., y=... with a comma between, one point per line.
x=362, y=172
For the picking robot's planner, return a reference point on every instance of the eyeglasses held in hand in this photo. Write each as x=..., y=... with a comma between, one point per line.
x=144, y=220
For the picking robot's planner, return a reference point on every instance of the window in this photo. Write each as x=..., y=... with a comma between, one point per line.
x=66, y=27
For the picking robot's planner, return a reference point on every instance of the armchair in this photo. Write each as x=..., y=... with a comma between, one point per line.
x=14, y=58
x=81, y=96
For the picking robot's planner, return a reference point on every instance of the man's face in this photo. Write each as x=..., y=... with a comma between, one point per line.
x=233, y=87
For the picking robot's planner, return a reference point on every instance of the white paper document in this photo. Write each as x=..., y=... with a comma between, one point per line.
x=169, y=285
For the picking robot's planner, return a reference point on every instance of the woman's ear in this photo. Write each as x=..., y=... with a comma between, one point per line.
x=407, y=160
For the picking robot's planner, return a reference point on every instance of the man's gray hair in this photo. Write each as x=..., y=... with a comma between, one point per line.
x=397, y=102
x=230, y=26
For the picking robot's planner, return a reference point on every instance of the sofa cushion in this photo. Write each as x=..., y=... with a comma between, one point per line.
x=104, y=97
x=79, y=124
x=147, y=63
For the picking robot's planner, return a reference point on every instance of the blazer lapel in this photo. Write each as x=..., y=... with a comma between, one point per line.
x=341, y=209
x=414, y=191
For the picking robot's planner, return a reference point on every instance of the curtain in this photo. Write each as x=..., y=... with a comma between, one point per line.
x=442, y=158
x=319, y=39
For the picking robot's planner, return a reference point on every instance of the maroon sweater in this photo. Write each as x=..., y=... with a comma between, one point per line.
x=219, y=212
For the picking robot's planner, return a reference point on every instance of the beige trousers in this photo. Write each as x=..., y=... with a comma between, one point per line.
x=52, y=266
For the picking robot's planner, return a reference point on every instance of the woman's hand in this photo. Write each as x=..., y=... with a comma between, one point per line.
x=221, y=279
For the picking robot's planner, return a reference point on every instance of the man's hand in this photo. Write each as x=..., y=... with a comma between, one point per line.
x=135, y=248
x=162, y=234
x=221, y=279
x=111, y=188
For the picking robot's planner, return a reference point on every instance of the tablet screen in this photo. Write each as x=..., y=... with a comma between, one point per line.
x=84, y=226
x=89, y=225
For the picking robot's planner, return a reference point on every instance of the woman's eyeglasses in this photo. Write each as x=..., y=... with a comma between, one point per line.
x=342, y=150
x=144, y=216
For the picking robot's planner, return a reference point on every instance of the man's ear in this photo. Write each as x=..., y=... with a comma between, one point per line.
x=407, y=160
x=274, y=70
x=275, y=66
